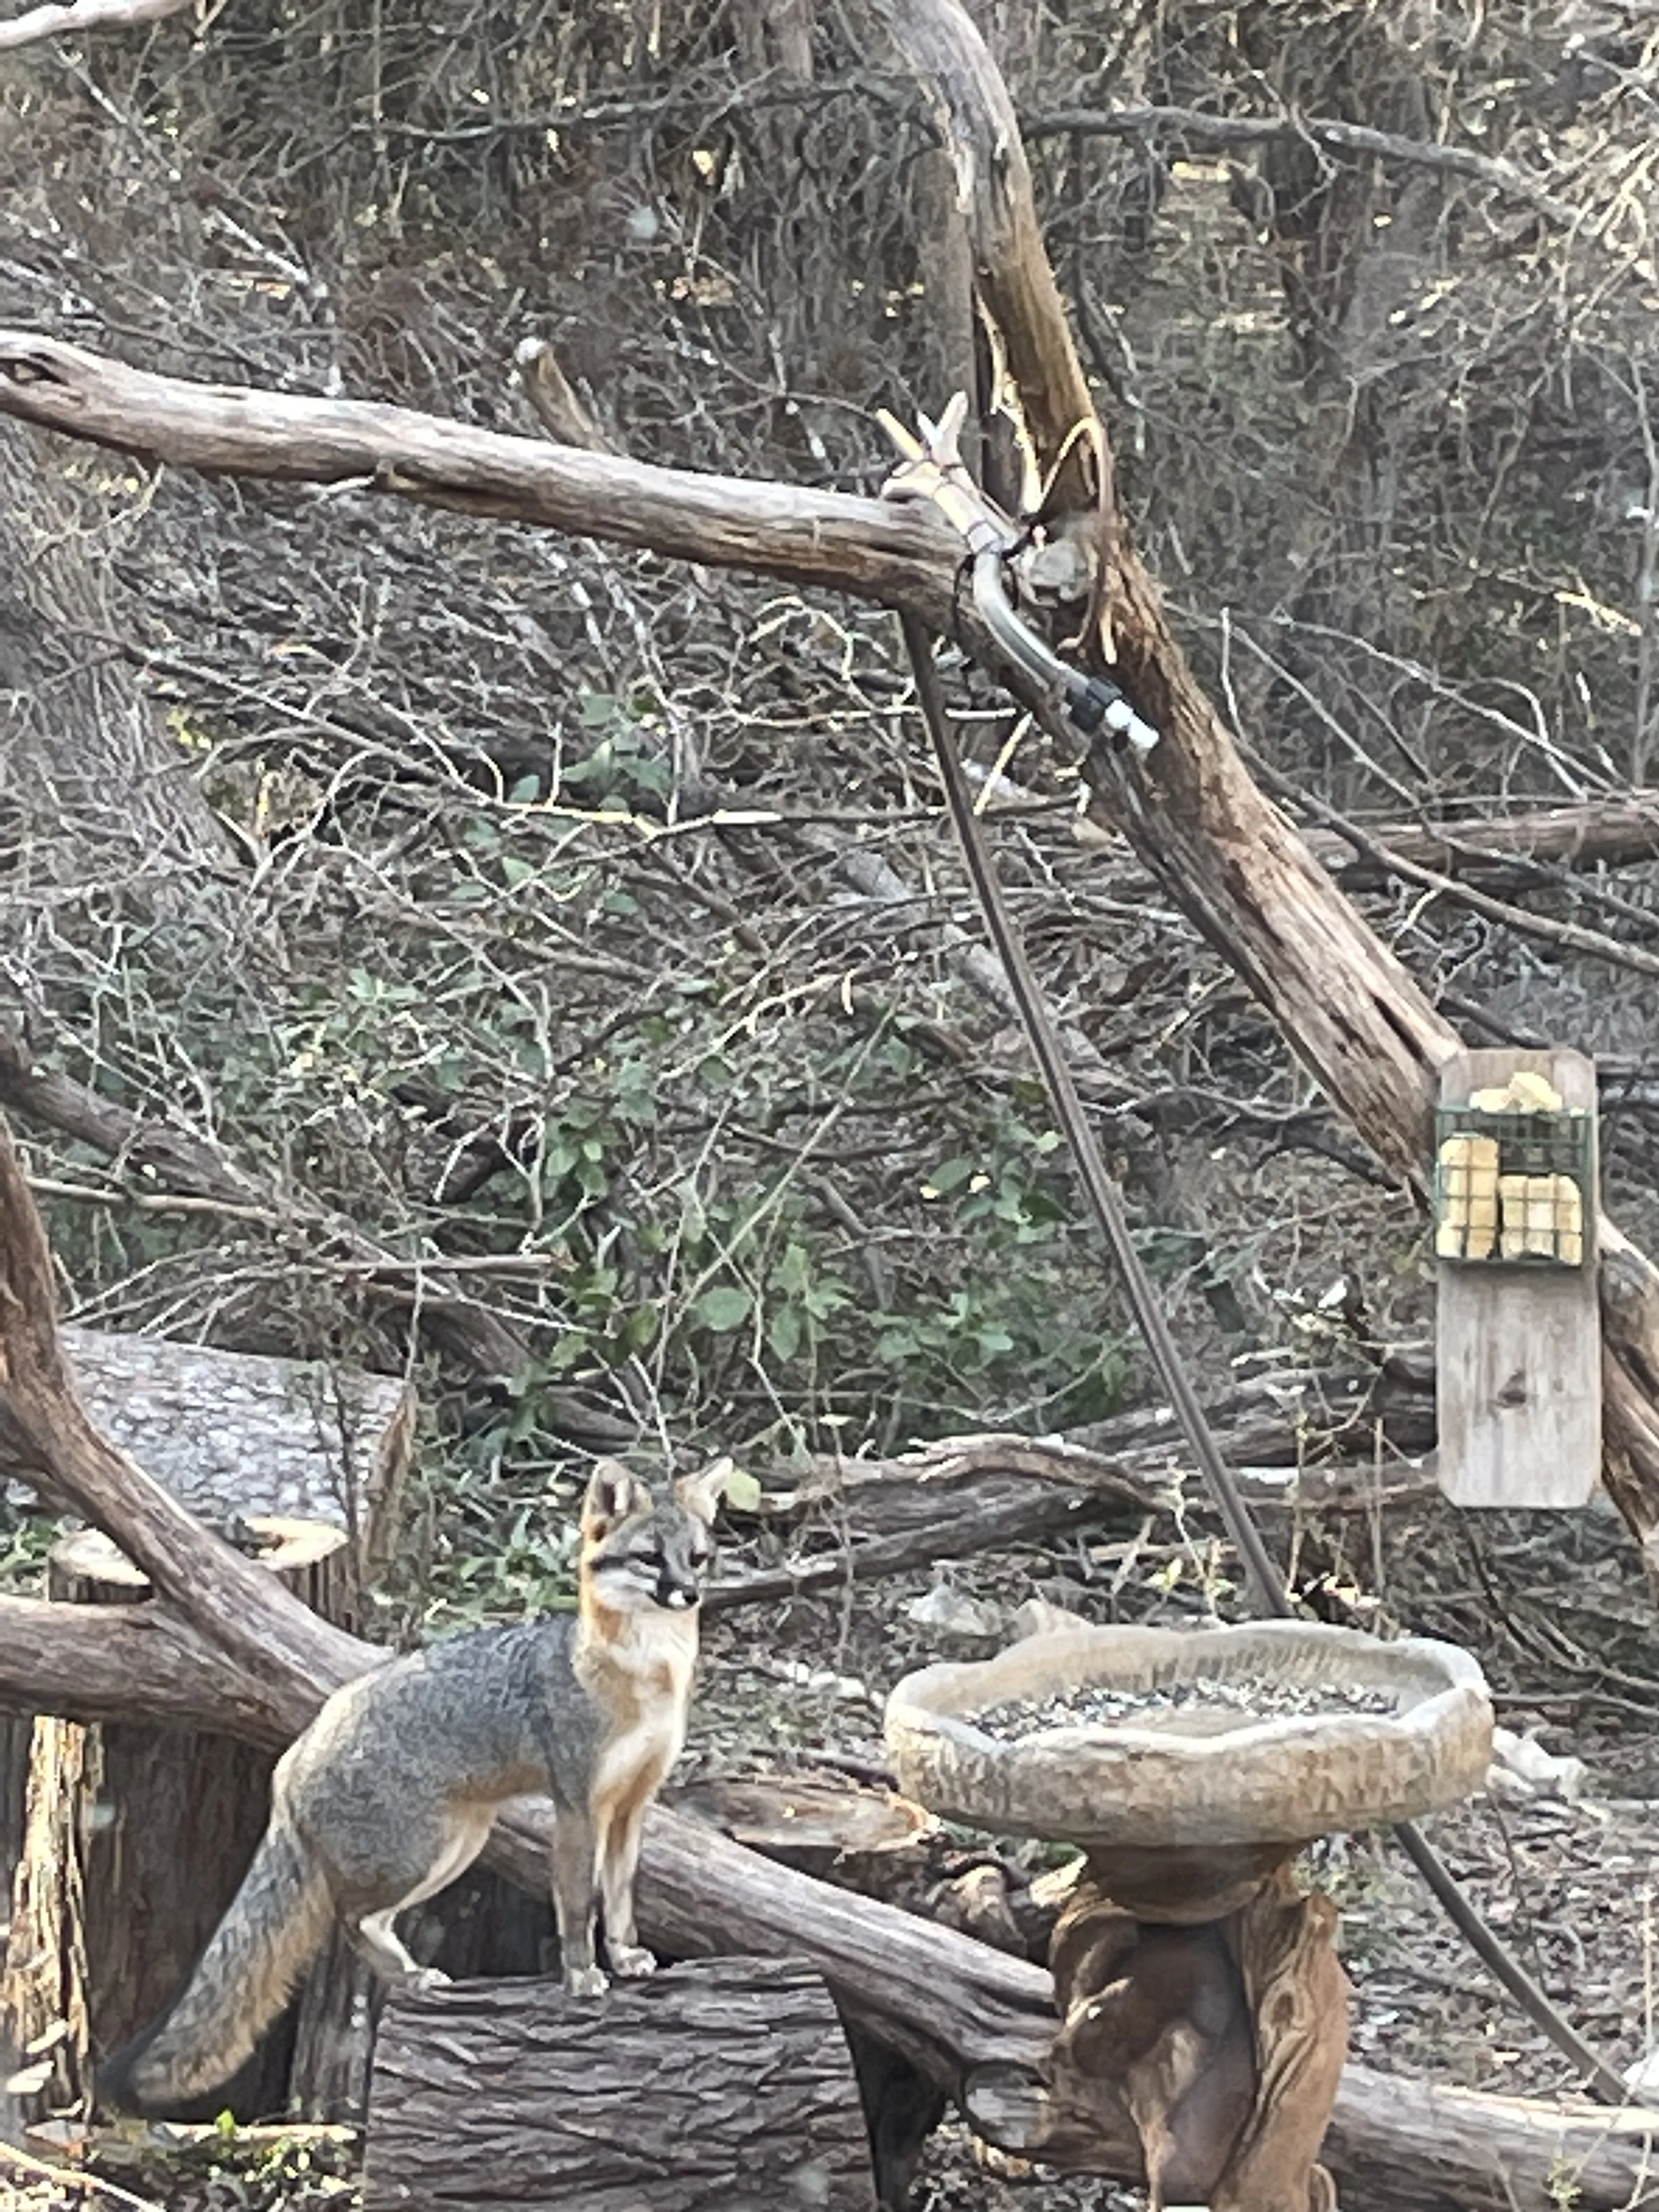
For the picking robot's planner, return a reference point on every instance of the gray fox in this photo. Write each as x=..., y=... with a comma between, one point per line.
x=392, y=1789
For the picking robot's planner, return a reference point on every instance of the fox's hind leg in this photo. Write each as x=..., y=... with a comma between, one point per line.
x=379, y=1947
x=575, y=1891
x=371, y=1933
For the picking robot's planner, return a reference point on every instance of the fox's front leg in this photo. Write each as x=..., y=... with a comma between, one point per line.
x=626, y=1955
x=575, y=1894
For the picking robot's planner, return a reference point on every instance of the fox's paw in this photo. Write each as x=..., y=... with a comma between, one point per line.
x=425, y=1979
x=631, y=1961
x=587, y=1981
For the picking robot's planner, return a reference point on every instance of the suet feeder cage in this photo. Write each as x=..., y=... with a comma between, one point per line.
x=1518, y=1338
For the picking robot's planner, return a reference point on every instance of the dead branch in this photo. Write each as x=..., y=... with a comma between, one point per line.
x=805, y=537
x=456, y=1324
x=60, y=18
x=966, y=1494
x=1570, y=936
x=1612, y=832
x=1201, y=127
x=557, y=408
x=125, y=1663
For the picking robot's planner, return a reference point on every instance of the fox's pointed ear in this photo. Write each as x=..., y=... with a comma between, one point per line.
x=701, y=1494
x=612, y=1493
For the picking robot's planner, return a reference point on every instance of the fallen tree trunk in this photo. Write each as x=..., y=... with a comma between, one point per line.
x=966, y=1494
x=704, y=2088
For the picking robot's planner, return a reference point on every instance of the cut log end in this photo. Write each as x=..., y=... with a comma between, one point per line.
x=720, y=2087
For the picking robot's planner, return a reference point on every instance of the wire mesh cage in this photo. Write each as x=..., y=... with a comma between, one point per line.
x=1515, y=1188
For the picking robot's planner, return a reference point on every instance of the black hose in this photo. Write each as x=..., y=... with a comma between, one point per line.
x=1267, y=1584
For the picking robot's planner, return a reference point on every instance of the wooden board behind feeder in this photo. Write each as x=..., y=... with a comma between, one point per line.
x=719, y=2087
x=1518, y=1335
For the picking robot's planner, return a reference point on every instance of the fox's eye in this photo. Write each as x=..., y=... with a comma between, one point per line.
x=654, y=1560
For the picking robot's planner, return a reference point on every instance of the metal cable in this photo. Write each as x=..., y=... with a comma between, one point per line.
x=1267, y=1585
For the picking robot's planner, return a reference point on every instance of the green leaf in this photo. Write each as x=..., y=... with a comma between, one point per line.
x=951, y=1176
x=723, y=1308
x=783, y=1331
x=641, y=1329
x=743, y=1492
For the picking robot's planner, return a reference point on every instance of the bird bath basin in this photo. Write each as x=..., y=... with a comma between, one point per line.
x=1205, y=2010
x=1131, y=1741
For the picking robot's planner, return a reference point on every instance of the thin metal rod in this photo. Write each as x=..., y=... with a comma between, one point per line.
x=1106, y=1201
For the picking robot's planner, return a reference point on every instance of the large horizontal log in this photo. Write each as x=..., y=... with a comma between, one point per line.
x=884, y=552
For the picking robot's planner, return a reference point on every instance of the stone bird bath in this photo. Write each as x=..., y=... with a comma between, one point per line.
x=1205, y=2013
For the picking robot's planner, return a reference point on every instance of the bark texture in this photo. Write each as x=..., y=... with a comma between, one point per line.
x=717, y=2088
x=138, y=1836
x=233, y=1433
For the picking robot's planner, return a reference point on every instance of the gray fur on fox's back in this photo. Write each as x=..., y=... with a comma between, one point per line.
x=356, y=1821
x=277, y=1921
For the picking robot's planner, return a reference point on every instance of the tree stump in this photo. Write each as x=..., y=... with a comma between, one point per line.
x=156, y=1825
x=136, y=1840
x=231, y=1434
x=719, y=2087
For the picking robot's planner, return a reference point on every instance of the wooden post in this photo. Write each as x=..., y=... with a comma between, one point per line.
x=720, y=2087
x=1519, y=1343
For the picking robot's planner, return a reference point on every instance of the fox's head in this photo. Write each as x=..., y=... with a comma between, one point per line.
x=643, y=1547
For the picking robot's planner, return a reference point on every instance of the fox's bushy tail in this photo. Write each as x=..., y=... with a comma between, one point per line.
x=275, y=1923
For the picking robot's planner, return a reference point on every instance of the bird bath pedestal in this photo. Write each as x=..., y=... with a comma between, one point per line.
x=1204, y=2011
